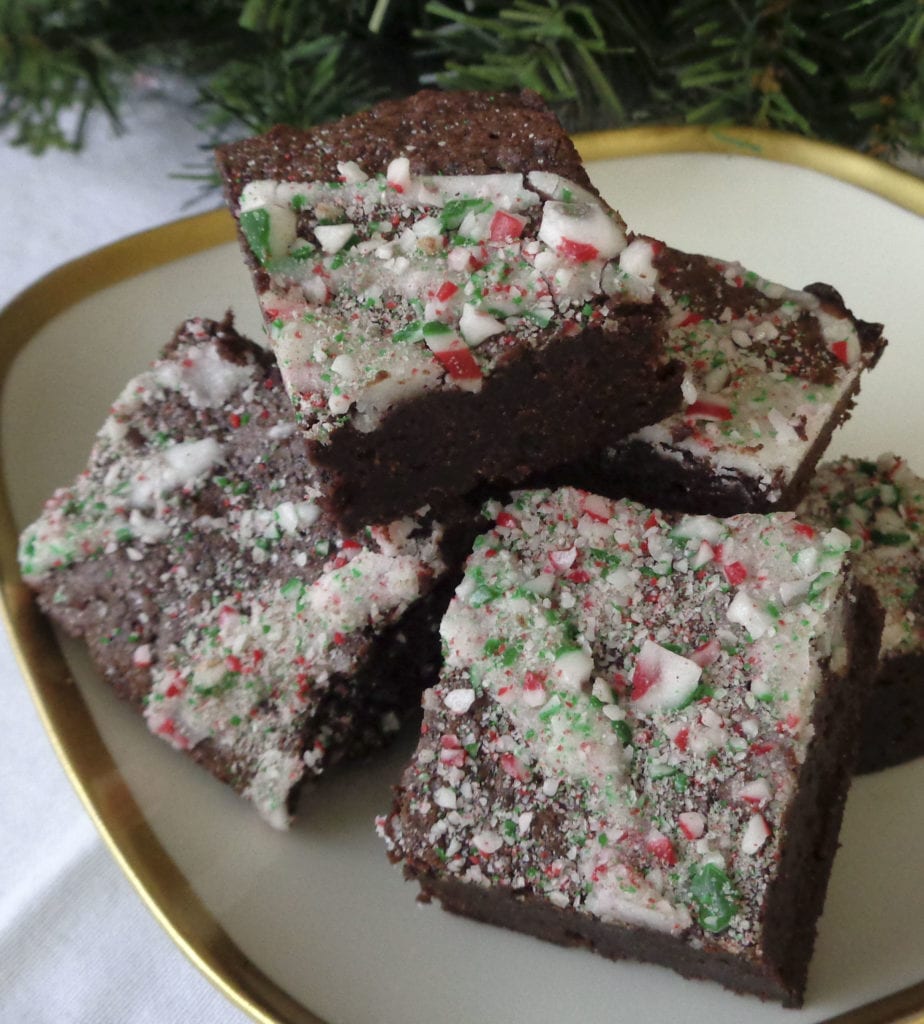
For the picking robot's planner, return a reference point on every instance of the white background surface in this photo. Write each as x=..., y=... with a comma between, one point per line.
x=76, y=942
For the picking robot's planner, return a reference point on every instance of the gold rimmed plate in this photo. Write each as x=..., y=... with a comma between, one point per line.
x=315, y=925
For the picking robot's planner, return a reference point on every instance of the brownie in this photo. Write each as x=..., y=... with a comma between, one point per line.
x=880, y=504
x=439, y=132
x=215, y=594
x=643, y=735
x=770, y=373
x=439, y=269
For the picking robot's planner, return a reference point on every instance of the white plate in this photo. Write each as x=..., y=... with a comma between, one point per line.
x=316, y=923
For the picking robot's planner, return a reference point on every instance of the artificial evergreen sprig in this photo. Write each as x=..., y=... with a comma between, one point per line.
x=851, y=73
x=559, y=49
x=755, y=66
x=889, y=86
x=53, y=70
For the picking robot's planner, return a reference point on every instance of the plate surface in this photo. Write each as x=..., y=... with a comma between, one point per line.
x=315, y=924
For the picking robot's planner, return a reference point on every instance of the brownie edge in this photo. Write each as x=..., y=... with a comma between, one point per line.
x=880, y=504
x=542, y=407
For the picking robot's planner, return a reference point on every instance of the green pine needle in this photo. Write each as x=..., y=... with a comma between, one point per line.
x=850, y=73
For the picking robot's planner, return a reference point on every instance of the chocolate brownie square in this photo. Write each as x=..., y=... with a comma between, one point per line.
x=214, y=593
x=441, y=286
x=880, y=504
x=771, y=371
x=643, y=735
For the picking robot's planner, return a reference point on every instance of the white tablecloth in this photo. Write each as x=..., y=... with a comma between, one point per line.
x=76, y=942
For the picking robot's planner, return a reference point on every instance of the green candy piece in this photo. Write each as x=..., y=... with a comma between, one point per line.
x=255, y=226
x=413, y=332
x=484, y=592
x=623, y=731
x=436, y=329
x=820, y=584
x=889, y=539
x=454, y=211
x=702, y=691
x=292, y=265
x=714, y=895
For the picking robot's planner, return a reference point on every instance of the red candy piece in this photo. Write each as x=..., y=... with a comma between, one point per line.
x=580, y=252
x=459, y=363
x=707, y=653
x=451, y=753
x=688, y=830
x=563, y=560
x=735, y=573
x=839, y=349
x=703, y=409
x=661, y=847
x=645, y=676
x=599, y=509
x=505, y=226
x=534, y=681
x=514, y=767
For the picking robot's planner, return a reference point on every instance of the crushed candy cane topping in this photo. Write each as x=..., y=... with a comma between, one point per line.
x=880, y=504
x=377, y=288
x=652, y=735
x=766, y=365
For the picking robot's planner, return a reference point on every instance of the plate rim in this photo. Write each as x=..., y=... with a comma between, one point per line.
x=77, y=743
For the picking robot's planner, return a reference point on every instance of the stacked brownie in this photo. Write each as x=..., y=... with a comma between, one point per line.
x=644, y=727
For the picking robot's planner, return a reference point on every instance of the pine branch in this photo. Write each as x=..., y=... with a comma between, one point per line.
x=888, y=89
x=571, y=53
x=851, y=73
x=305, y=83
x=753, y=65
x=48, y=71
